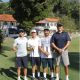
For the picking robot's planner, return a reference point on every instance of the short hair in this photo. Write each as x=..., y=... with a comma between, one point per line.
x=59, y=24
x=21, y=30
x=46, y=30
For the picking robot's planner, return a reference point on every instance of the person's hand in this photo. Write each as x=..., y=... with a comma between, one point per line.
x=60, y=51
x=29, y=48
x=46, y=53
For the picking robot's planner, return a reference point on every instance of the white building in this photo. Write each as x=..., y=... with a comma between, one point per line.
x=50, y=23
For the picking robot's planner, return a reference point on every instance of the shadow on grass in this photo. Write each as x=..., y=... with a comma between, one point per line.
x=8, y=72
x=5, y=48
x=74, y=60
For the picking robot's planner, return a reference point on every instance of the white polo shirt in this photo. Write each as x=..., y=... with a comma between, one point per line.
x=21, y=44
x=45, y=43
x=35, y=43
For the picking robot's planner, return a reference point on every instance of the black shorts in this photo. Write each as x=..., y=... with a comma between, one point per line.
x=35, y=61
x=47, y=62
x=22, y=61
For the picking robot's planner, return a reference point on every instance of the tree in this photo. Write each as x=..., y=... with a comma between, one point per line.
x=5, y=8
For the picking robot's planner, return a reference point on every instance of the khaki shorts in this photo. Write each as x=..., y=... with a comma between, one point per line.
x=64, y=57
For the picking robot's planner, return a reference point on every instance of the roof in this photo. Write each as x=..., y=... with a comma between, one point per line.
x=52, y=19
x=41, y=21
x=48, y=20
x=7, y=17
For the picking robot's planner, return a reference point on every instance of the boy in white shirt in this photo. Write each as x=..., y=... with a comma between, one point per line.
x=46, y=55
x=20, y=46
x=33, y=42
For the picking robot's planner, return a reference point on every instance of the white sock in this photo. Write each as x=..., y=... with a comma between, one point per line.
x=44, y=75
x=52, y=74
x=33, y=75
x=38, y=74
x=67, y=77
x=57, y=75
x=25, y=76
x=18, y=76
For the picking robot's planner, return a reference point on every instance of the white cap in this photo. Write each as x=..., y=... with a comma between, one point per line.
x=33, y=30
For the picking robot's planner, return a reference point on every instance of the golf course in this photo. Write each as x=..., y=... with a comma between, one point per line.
x=8, y=69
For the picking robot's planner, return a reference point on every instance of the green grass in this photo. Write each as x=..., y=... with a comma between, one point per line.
x=7, y=61
x=74, y=46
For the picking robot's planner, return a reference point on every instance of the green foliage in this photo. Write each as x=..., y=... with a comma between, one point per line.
x=69, y=24
x=5, y=8
x=27, y=12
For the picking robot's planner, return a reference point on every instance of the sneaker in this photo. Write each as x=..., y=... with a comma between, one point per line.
x=19, y=78
x=25, y=78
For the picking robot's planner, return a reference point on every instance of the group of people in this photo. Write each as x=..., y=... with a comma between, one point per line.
x=47, y=50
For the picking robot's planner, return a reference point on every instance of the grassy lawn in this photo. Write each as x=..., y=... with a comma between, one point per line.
x=7, y=61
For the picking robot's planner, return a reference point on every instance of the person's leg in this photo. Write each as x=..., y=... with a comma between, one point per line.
x=65, y=59
x=66, y=72
x=18, y=72
x=25, y=74
x=50, y=64
x=25, y=62
x=33, y=66
x=38, y=63
x=33, y=70
x=18, y=63
x=44, y=65
x=57, y=67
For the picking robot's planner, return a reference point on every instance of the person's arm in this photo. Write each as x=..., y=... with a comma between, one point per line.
x=68, y=41
x=43, y=51
x=15, y=46
x=66, y=46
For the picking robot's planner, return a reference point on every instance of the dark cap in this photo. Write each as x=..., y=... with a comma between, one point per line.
x=21, y=30
x=46, y=29
x=59, y=24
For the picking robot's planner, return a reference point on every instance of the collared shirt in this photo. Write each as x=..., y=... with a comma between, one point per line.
x=34, y=42
x=45, y=44
x=21, y=44
x=60, y=39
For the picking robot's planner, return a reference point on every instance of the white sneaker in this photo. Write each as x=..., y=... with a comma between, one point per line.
x=67, y=78
x=25, y=78
x=19, y=78
x=57, y=79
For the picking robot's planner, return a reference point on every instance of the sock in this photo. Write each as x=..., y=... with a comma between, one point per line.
x=67, y=77
x=57, y=75
x=52, y=74
x=38, y=74
x=18, y=77
x=44, y=75
x=25, y=76
x=33, y=75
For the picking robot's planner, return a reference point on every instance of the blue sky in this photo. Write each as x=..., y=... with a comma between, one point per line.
x=5, y=0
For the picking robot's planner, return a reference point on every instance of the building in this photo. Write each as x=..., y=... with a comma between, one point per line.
x=7, y=20
x=50, y=23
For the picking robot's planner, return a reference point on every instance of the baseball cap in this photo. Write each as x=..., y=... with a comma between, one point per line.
x=33, y=30
x=21, y=30
x=59, y=24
